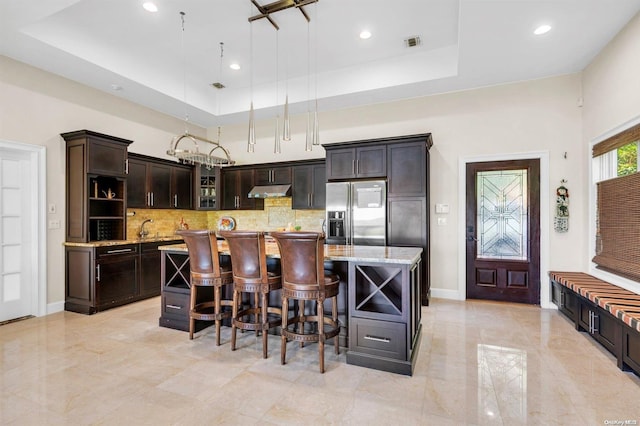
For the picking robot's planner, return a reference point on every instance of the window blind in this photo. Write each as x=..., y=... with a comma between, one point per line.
x=618, y=226
x=623, y=138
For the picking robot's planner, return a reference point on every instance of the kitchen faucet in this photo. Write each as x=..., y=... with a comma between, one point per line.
x=143, y=232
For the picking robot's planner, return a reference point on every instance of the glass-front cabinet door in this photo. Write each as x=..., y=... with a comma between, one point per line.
x=207, y=181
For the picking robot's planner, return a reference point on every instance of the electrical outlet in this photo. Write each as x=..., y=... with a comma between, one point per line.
x=54, y=224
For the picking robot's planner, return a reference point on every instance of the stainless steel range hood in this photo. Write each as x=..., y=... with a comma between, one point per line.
x=270, y=191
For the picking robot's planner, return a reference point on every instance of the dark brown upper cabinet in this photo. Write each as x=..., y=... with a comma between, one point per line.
x=181, y=187
x=356, y=162
x=158, y=184
x=309, y=187
x=103, y=154
x=236, y=184
x=273, y=176
x=207, y=187
x=407, y=169
x=95, y=188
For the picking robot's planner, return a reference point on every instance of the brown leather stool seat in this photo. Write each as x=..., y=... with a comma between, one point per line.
x=206, y=271
x=250, y=275
x=304, y=278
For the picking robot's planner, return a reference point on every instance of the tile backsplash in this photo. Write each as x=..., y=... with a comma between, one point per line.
x=277, y=215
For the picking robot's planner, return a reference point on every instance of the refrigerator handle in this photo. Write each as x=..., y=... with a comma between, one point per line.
x=347, y=220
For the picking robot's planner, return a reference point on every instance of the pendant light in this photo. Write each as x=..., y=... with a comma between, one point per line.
x=286, y=123
x=276, y=139
x=251, y=141
x=184, y=76
x=316, y=124
x=309, y=134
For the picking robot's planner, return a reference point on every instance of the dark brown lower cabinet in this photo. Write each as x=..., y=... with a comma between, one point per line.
x=150, y=269
x=565, y=299
x=602, y=326
x=631, y=349
x=103, y=277
x=384, y=315
x=176, y=279
x=613, y=334
x=176, y=292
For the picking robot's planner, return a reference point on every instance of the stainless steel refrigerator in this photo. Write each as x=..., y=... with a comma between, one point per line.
x=356, y=213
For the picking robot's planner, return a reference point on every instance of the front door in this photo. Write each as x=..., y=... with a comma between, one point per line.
x=16, y=216
x=503, y=231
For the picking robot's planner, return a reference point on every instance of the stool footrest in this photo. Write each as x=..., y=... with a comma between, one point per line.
x=332, y=331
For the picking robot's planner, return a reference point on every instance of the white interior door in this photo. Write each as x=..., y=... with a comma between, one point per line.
x=17, y=290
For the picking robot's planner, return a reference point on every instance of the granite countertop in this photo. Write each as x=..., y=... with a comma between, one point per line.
x=137, y=240
x=384, y=254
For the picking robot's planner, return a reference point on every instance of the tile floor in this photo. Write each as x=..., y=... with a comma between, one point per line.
x=479, y=363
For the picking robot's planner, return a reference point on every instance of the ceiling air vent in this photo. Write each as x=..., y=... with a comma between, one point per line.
x=217, y=85
x=412, y=41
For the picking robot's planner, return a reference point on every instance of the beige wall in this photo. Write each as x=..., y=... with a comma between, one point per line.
x=611, y=85
x=35, y=107
x=611, y=90
x=541, y=115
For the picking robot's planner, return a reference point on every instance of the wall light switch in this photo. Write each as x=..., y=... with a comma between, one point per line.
x=52, y=209
x=442, y=208
x=442, y=221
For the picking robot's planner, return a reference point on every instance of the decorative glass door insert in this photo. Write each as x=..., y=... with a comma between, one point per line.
x=502, y=214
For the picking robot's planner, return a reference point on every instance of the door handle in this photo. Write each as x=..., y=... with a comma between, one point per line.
x=175, y=200
x=98, y=272
x=472, y=238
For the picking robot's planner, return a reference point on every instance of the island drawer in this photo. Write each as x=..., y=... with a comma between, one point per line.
x=381, y=338
x=176, y=304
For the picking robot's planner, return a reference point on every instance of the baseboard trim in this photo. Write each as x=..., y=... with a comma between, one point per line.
x=440, y=293
x=54, y=307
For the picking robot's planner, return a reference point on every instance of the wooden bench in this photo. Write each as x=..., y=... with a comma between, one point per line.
x=610, y=314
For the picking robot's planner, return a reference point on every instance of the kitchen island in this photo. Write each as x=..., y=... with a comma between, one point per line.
x=379, y=302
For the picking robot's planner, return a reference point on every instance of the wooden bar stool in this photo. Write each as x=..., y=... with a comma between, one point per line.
x=304, y=278
x=206, y=271
x=250, y=275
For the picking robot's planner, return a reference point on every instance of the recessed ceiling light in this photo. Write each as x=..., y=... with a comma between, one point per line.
x=365, y=34
x=150, y=6
x=542, y=29
x=234, y=66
